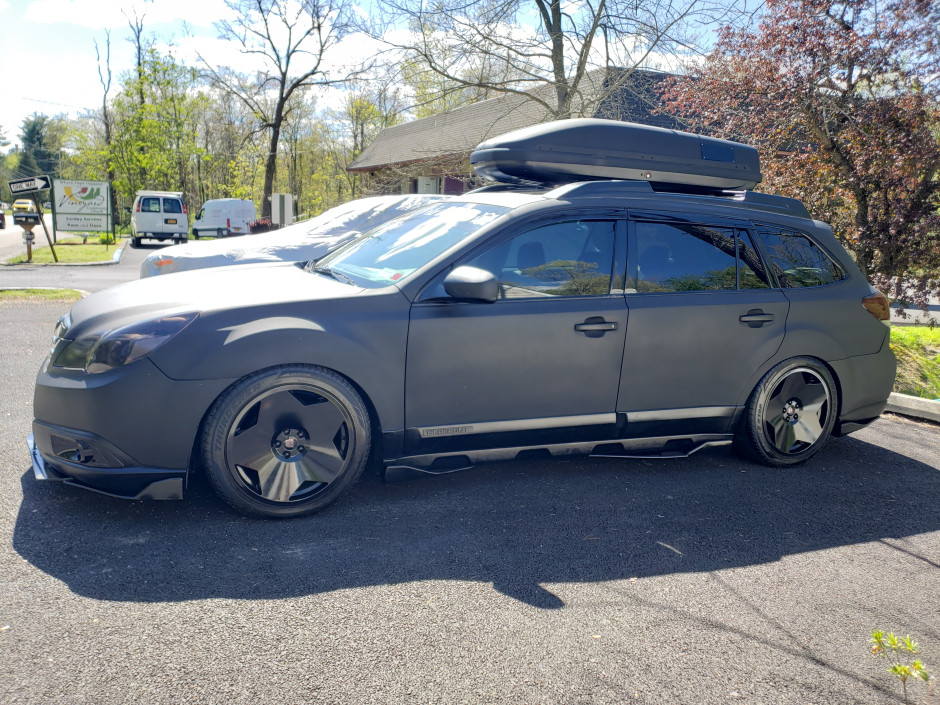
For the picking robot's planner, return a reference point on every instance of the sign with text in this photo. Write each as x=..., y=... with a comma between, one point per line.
x=82, y=205
x=33, y=183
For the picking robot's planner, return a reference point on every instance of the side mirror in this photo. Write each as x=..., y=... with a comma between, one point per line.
x=472, y=284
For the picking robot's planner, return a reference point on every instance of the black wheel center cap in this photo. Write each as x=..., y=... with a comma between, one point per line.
x=288, y=444
x=791, y=410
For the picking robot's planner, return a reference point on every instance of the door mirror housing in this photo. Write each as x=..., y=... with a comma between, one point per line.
x=472, y=284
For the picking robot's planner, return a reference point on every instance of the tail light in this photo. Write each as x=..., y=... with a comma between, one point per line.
x=184, y=209
x=228, y=222
x=138, y=205
x=877, y=305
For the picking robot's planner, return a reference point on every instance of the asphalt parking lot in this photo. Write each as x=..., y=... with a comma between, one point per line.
x=703, y=580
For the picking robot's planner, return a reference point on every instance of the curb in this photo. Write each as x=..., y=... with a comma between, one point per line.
x=918, y=408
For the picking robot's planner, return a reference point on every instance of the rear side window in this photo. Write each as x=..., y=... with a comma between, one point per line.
x=796, y=260
x=172, y=205
x=689, y=257
x=150, y=205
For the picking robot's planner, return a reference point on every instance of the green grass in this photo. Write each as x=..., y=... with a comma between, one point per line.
x=917, y=349
x=70, y=251
x=40, y=295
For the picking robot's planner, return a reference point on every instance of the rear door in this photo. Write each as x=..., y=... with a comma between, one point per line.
x=173, y=218
x=703, y=319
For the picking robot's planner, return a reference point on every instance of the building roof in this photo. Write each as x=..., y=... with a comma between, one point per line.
x=614, y=94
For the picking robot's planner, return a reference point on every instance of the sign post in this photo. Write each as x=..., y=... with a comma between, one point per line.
x=31, y=185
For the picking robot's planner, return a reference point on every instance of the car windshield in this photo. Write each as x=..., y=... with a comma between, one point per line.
x=390, y=253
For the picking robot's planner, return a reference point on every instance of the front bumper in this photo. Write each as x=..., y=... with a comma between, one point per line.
x=78, y=462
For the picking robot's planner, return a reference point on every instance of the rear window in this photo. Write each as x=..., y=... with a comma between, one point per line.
x=150, y=205
x=796, y=260
x=172, y=205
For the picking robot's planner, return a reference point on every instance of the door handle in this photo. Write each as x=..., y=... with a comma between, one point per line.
x=595, y=326
x=755, y=318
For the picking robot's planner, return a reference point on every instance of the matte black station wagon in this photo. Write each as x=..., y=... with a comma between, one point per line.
x=621, y=292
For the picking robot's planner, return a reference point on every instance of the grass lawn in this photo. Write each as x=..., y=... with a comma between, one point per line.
x=39, y=295
x=71, y=251
x=917, y=349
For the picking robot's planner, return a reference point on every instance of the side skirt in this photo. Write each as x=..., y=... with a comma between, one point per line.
x=658, y=447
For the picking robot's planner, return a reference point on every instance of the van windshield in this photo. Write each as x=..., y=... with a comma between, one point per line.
x=390, y=253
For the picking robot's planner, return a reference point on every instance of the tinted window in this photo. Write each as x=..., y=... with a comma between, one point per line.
x=570, y=258
x=172, y=205
x=150, y=205
x=798, y=261
x=694, y=257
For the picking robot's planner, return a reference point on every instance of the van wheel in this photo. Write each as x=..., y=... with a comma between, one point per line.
x=135, y=242
x=790, y=414
x=220, y=233
x=196, y=234
x=286, y=441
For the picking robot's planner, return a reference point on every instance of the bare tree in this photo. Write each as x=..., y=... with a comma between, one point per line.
x=497, y=47
x=289, y=38
x=104, y=76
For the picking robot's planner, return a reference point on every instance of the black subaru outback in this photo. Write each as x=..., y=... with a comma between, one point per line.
x=619, y=292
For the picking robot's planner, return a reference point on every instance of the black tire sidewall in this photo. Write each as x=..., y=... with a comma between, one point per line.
x=243, y=393
x=752, y=439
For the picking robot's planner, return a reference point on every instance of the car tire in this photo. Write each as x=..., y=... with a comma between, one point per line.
x=286, y=441
x=220, y=233
x=790, y=414
x=135, y=242
x=196, y=234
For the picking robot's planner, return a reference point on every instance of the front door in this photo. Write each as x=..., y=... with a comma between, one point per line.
x=541, y=364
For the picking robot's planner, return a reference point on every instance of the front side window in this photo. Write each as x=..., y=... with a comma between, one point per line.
x=390, y=253
x=688, y=257
x=569, y=258
x=796, y=260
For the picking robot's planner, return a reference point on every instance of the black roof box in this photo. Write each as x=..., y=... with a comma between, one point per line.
x=588, y=149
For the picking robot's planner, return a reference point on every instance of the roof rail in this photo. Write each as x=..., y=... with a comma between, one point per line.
x=600, y=188
x=496, y=188
x=615, y=187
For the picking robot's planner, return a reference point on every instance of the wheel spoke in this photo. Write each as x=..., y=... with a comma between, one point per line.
x=786, y=390
x=251, y=447
x=783, y=436
x=807, y=429
x=322, y=422
x=279, y=480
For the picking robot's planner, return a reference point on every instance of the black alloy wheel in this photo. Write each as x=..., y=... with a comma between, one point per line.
x=286, y=441
x=790, y=414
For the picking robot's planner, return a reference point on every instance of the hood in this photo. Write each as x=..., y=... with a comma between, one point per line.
x=202, y=291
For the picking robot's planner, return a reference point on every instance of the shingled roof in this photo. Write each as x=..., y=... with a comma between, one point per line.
x=615, y=94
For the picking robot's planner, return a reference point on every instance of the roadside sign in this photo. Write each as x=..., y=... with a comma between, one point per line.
x=33, y=183
x=82, y=206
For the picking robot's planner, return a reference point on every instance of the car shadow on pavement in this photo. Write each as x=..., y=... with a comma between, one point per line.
x=516, y=525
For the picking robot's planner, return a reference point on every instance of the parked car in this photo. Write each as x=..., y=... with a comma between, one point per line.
x=296, y=243
x=23, y=205
x=221, y=217
x=3, y=220
x=159, y=215
x=489, y=326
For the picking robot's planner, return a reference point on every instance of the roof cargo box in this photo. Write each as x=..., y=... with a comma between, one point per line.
x=590, y=149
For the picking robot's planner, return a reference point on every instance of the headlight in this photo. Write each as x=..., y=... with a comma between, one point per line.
x=116, y=348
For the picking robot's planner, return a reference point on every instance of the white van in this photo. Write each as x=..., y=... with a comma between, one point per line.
x=224, y=216
x=159, y=215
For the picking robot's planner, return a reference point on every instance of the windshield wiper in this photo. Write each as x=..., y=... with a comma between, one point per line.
x=338, y=276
